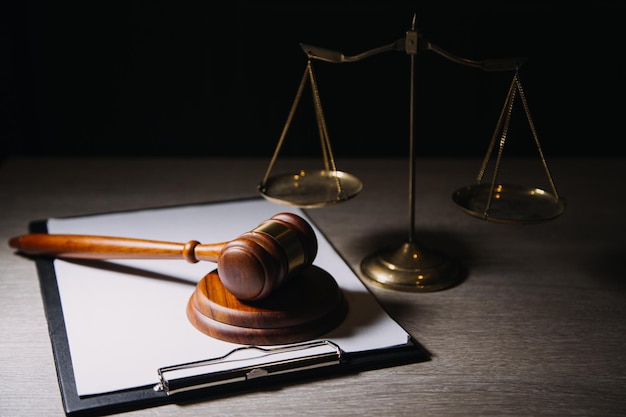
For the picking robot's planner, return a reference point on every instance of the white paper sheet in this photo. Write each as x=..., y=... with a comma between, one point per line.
x=126, y=322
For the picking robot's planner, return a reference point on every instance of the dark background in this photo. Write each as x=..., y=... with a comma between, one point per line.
x=176, y=78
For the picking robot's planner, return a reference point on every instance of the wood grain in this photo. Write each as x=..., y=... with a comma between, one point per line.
x=303, y=309
x=538, y=328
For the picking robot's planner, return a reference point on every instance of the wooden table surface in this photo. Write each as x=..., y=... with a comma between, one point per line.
x=538, y=328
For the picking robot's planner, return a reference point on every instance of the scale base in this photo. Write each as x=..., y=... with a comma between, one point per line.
x=410, y=267
x=302, y=309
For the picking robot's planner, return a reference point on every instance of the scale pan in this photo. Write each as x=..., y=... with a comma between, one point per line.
x=509, y=203
x=311, y=189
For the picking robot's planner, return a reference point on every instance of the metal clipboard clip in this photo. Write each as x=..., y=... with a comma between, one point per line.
x=246, y=363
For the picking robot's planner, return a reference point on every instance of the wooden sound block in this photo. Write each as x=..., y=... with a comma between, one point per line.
x=304, y=308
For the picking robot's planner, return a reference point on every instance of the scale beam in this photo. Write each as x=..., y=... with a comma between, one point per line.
x=405, y=45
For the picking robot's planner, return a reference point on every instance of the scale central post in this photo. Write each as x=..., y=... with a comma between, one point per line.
x=411, y=266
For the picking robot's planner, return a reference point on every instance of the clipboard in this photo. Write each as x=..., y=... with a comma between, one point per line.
x=227, y=372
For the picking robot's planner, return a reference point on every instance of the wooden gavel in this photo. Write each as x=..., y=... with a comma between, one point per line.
x=251, y=266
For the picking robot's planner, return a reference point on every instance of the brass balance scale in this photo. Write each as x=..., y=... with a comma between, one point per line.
x=410, y=266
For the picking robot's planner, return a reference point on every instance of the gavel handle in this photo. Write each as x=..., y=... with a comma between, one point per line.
x=109, y=247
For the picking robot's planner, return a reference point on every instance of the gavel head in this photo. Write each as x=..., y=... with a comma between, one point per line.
x=252, y=266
